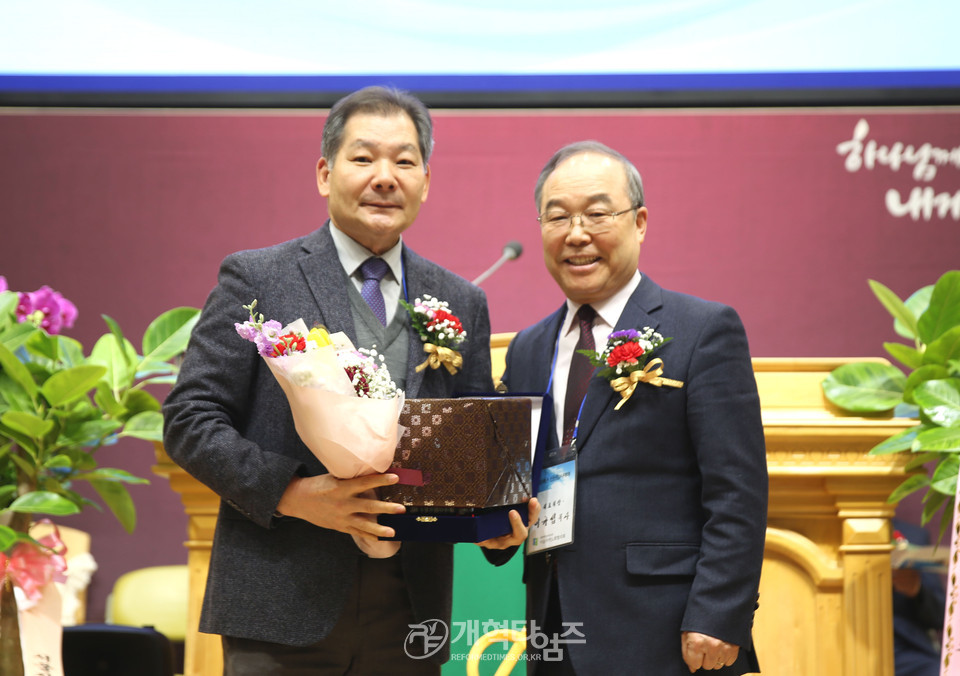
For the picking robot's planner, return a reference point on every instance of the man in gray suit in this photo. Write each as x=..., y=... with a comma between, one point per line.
x=288, y=588
x=661, y=576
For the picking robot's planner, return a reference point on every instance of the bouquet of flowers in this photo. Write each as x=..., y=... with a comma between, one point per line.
x=440, y=330
x=345, y=406
x=626, y=361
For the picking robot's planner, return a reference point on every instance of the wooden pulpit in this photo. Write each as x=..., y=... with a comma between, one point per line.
x=825, y=591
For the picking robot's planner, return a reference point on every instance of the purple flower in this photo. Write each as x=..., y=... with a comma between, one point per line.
x=3, y=283
x=69, y=312
x=627, y=335
x=46, y=309
x=248, y=331
x=268, y=337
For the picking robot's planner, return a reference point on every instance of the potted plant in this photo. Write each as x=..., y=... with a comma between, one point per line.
x=58, y=405
x=926, y=388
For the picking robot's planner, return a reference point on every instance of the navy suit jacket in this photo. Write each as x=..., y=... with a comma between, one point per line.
x=227, y=423
x=671, y=495
x=914, y=618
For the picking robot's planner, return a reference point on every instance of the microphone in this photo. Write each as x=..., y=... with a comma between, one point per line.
x=511, y=250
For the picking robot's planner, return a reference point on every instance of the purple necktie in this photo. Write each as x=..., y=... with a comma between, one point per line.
x=581, y=371
x=373, y=270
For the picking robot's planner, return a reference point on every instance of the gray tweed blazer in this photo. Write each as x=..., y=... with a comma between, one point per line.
x=228, y=424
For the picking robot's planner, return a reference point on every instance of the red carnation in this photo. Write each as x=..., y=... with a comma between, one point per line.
x=440, y=316
x=626, y=352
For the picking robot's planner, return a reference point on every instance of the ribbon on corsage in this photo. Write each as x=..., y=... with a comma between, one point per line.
x=627, y=363
x=650, y=374
x=438, y=356
x=440, y=330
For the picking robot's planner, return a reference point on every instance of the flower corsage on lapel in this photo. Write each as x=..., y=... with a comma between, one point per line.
x=440, y=330
x=625, y=361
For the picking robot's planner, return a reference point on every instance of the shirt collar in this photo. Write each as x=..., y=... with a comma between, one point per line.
x=352, y=254
x=608, y=310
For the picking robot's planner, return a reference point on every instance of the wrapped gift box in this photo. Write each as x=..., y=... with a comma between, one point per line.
x=463, y=463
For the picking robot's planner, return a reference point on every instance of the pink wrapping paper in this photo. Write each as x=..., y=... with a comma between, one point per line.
x=350, y=435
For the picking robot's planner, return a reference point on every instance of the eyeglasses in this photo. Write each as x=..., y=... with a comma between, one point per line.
x=595, y=220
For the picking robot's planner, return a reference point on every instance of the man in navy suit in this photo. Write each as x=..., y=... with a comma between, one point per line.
x=670, y=503
x=288, y=588
x=919, y=601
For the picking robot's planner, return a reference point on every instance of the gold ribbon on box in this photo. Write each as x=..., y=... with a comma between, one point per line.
x=438, y=356
x=651, y=374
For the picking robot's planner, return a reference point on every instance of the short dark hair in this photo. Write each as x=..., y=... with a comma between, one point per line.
x=376, y=101
x=634, y=182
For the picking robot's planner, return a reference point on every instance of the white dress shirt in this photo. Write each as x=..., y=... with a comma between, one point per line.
x=352, y=254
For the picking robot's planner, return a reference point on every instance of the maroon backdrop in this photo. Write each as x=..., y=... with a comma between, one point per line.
x=128, y=213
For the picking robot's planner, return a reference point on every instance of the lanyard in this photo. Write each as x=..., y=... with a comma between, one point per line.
x=553, y=368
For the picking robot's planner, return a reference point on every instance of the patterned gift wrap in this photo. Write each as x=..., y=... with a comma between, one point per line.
x=462, y=454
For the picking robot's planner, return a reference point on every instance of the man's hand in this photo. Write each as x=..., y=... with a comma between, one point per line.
x=337, y=504
x=519, y=533
x=907, y=581
x=706, y=652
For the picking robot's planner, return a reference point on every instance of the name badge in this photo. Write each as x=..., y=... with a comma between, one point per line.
x=558, y=483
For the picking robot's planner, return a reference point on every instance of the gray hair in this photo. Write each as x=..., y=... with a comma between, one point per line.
x=634, y=182
x=376, y=101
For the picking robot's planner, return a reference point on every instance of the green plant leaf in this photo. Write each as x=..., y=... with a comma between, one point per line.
x=160, y=380
x=17, y=334
x=168, y=335
x=904, y=354
x=65, y=386
x=104, y=398
x=920, y=459
x=28, y=467
x=43, y=502
x=917, y=303
x=943, y=313
x=71, y=351
x=119, y=359
x=912, y=484
x=934, y=499
x=901, y=441
x=13, y=396
x=18, y=373
x=940, y=401
x=43, y=345
x=28, y=424
x=60, y=461
x=88, y=433
x=7, y=493
x=946, y=518
x=8, y=537
x=130, y=356
x=944, y=349
x=922, y=375
x=938, y=439
x=8, y=303
x=117, y=498
x=147, y=425
x=112, y=474
x=895, y=307
x=155, y=368
x=137, y=401
x=865, y=387
x=944, y=479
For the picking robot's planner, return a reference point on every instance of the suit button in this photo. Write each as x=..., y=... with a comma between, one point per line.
x=549, y=557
